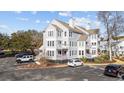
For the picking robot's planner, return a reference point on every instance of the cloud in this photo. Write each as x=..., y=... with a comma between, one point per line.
x=47, y=21
x=6, y=29
x=3, y=27
x=37, y=21
x=52, y=11
x=18, y=12
x=34, y=12
x=88, y=16
x=86, y=22
x=22, y=18
x=66, y=14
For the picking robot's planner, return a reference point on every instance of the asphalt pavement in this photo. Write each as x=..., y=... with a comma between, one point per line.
x=9, y=72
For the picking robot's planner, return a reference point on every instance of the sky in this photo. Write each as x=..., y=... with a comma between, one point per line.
x=11, y=21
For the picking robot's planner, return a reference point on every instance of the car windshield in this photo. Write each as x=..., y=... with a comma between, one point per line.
x=113, y=66
x=77, y=60
x=70, y=61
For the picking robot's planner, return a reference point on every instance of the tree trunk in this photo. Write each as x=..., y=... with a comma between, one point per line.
x=110, y=49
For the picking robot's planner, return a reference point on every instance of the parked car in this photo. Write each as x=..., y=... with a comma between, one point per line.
x=22, y=53
x=114, y=70
x=75, y=62
x=25, y=58
x=2, y=54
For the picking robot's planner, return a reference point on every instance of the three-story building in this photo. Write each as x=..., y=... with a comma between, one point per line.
x=62, y=41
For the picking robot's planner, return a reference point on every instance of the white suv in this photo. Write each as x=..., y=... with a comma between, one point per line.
x=75, y=62
x=25, y=58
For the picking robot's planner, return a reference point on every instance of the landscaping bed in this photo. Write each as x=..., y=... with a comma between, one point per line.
x=102, y=59
x=43, y=63
x=102, y=62
x=121, y=58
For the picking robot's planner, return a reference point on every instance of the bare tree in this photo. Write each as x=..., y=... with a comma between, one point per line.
x=113, y=22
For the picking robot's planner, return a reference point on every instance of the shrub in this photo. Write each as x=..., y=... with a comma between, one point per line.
x=84, y=59
x=9, y=53
x=102, y=58
x=98, y=59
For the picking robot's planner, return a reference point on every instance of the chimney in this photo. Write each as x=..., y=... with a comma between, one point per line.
x=71, y=23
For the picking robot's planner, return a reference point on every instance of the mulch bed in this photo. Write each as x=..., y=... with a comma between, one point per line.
x=113, y=61
x=120, y=58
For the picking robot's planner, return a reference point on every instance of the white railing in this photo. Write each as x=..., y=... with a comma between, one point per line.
x=61, y=57
x=62, y=46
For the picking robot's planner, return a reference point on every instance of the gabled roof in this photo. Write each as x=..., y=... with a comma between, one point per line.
x=83, y=37
x=93, y=31
x=90, y=31
x=57, y=27
x=75, y=30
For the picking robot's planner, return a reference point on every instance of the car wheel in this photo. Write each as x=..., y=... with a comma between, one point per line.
x=19, y=61
x=119, y=75
x=74, y=65
x=30, y=60
x=122, y=77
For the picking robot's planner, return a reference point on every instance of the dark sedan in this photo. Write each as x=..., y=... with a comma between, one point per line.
x=114, y=70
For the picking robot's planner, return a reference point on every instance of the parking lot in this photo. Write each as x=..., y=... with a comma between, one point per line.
x=9, y=71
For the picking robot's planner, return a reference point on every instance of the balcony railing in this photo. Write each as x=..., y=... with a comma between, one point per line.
x=62, y=47
x=62, y=57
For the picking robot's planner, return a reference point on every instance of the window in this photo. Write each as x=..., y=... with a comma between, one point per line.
x=59, y=42
x=70, y=53
x=52, y=53
x=52, y=43
x=82, y=52
x=79, y=52
x=94, y=43
x=59, y=33
x=65, y=34
x=48, y=53
x=82, y=43
x=65, y=43
x=70, y=43
x=47, y=43
x=50, y=33
x=93, y=52
x=87, y=51
x=93, y=36
x=79, y=43
x=70, y=34
x=59, y=52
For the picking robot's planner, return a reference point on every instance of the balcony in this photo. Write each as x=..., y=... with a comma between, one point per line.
x=62, y=47
x=62, y=57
